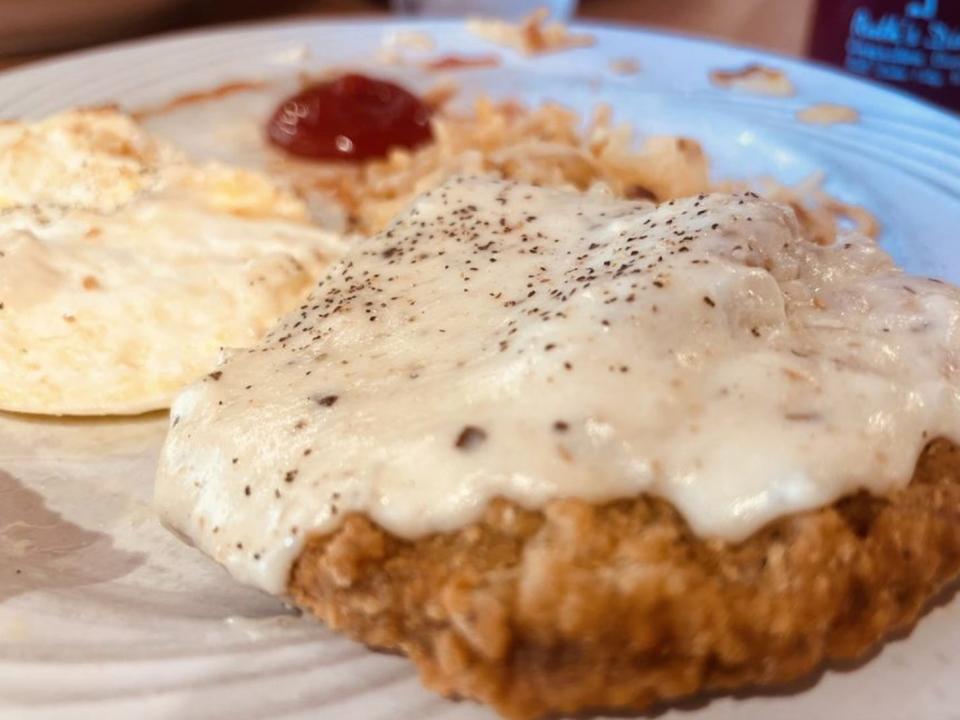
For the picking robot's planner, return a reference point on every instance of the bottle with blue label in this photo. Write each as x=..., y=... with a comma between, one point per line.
x=911, y=44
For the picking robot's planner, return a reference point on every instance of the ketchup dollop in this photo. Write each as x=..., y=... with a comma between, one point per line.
x=353, y=117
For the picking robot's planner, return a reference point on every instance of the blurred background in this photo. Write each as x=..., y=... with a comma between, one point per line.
x=911, y=44
x=29, y=28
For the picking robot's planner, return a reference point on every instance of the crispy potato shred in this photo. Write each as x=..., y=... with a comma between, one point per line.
x=550, y=146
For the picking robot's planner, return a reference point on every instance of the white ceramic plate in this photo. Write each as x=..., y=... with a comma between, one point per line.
x=104, y=613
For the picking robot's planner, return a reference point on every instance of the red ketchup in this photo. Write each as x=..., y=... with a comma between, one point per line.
x=353, y=117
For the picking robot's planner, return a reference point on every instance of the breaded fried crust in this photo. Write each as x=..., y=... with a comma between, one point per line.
x=620, y=605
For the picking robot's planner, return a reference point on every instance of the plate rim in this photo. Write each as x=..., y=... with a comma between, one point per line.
x=309, y=25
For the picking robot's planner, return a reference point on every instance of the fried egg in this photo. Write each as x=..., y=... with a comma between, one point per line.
x=125, y=267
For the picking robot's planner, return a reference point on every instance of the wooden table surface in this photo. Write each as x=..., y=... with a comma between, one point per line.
x=780, y=25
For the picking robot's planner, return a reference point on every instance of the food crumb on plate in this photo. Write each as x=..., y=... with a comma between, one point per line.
x=533, y=35
x=409, y=40
x=453, y=61
x=828, y=114
x=755, y=79
x=625, y=66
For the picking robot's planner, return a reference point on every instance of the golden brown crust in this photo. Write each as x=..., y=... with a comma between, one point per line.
x=621, y=606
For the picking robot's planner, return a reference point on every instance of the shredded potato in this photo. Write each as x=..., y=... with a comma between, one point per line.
x=550, y=146
x=821, y=215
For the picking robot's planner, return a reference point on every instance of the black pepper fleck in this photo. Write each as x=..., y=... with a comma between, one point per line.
x=469, y=438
